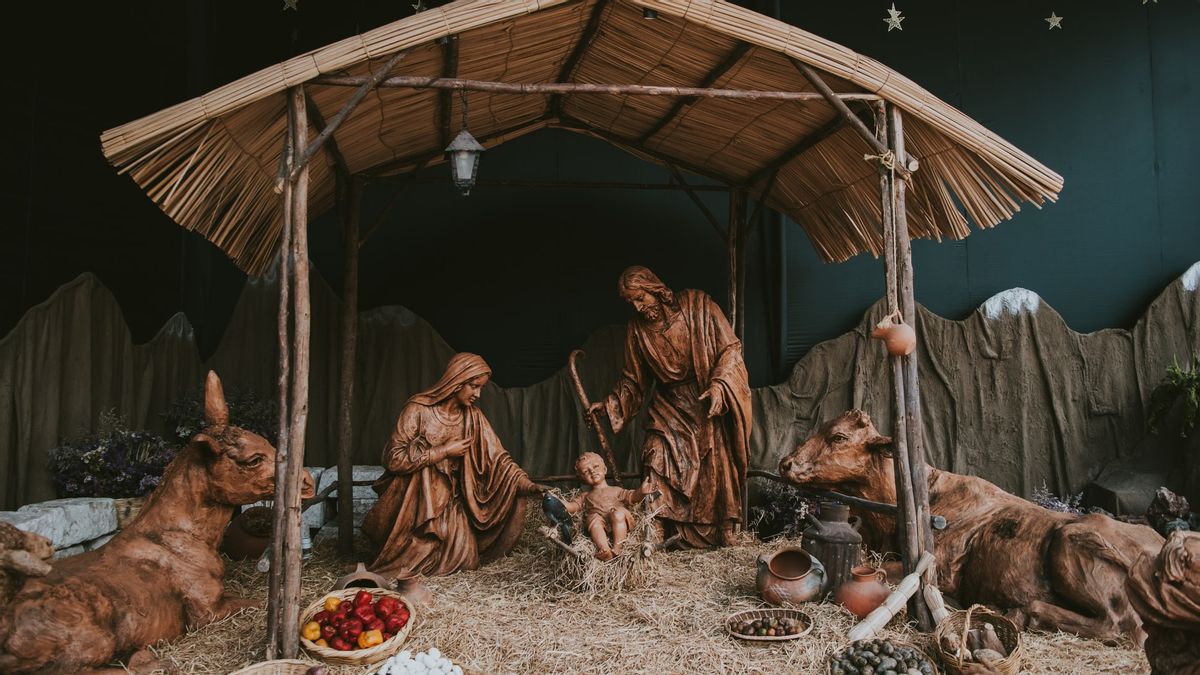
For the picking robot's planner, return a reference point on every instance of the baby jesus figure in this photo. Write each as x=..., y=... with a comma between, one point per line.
x=604, y=506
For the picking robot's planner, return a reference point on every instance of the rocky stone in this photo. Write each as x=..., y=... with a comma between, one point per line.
x=361, y=472
x=66, y=522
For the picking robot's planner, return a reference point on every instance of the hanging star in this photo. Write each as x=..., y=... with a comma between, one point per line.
x=419, y=7
x=290, y=4
x=1055, y=21
x=894, y=19
x=1145, y=1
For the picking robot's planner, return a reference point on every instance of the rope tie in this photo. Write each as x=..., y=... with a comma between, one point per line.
x=887, y=158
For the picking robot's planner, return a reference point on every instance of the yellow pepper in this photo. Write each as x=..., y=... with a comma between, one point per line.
x=311, y=631
x=321, y=643
x=369, y=638
x=331, y=603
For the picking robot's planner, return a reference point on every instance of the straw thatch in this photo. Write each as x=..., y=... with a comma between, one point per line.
x=211, y=163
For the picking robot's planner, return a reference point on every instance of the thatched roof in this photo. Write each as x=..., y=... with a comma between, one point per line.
x=211, y=163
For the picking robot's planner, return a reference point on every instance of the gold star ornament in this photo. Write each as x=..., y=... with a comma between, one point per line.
x=893, y=19
x=1055, y=21
x=290, y=4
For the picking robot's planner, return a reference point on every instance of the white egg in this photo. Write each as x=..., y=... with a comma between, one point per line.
x=434, y=652
x=456, y=670
x=404, y=655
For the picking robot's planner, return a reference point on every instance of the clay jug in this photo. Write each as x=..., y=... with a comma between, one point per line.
x=835, y=541
x=791, y=575
x=863, y=592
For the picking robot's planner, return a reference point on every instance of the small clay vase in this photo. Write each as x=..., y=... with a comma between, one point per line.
x=791, y=575
x=863, y=592
x=899, y=337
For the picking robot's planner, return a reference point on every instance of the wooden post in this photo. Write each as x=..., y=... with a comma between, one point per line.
x=908, y=307
x=290, y=605
x=736, y=212
x=353, y=195
x=275, y=578
x=906, y=517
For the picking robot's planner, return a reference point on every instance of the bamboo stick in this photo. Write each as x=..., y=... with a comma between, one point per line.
x=540, y=88
x=353, y=194
x=906, y=589
x=289, y=625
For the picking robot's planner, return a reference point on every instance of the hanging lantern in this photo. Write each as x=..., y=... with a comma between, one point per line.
x=463, y=154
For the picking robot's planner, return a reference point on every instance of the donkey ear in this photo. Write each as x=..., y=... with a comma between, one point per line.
x=207, y=443
x=216, y=412
x=859, y=418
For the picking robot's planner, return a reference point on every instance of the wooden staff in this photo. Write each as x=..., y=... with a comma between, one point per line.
x=609, y=457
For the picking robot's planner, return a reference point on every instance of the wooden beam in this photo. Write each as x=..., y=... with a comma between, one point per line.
x=568, y=122
x=570, y=185
x=554, y=107
x=838, y=101
x=279, y=515
x=804, y=145
x=707, y=81
x=737, y=216
x=301, y=313
x=352, y=208
x=379, y=171
x=540, y=88
x=912, y=392
x=445, y=97
x=364, y=88
x=708, y=214
x=318, y=121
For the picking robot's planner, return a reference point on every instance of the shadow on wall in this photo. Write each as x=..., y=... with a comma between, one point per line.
x=1010, y=393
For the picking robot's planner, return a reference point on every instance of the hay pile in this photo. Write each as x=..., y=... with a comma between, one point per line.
x=513, y=617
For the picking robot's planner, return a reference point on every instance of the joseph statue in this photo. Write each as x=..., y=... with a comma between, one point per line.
x=697, y=435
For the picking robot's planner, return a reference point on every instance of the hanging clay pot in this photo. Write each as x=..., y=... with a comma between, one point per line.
x=863, y=592
x=899, y=337
x=790, y=575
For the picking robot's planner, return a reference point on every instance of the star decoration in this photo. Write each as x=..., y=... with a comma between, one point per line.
x=894, y=19
x=1055, y=21
x=1145, y=1
x=290, y=4
x=419, y=7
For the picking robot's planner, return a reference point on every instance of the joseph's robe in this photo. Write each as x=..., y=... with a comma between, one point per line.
x=699, y=463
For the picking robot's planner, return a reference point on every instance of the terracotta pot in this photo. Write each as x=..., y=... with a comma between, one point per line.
x=242, y=542
x=791, y=575
x=899, y=337
x=863, y=592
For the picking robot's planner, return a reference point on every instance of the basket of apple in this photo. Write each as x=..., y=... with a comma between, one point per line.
x=356, y=626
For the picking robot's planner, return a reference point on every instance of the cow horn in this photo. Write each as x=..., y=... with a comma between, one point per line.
x=216, y=412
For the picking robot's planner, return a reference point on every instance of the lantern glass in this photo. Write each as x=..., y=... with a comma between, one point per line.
x=463, y=154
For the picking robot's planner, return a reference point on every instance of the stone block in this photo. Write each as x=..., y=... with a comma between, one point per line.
x=66, y=522
x=361, y=472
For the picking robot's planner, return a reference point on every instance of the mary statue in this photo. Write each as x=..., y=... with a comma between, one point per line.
x=449, y=494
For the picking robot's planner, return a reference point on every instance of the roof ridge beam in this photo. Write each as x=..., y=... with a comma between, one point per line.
x=363, y=89
x=902, y=165
x=711, y=77
x=554, y=107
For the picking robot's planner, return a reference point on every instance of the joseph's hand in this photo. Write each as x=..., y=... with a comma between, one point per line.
x=716, y=400
x=594, y=412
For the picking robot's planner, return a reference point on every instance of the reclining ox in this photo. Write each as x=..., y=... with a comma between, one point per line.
x=156, y=577
x=1045, y=569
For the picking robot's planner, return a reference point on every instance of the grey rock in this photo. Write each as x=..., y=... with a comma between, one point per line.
x=361, y=472
x=66, y=522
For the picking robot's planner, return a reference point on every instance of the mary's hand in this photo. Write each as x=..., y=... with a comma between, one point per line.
x=537, y=489
x=456, y=448
x=716, y=400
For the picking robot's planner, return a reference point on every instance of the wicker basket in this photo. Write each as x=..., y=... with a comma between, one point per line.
x=960, y=622
x=776, y=613
x=282, y=667
x=898, y=644
x=358, y=657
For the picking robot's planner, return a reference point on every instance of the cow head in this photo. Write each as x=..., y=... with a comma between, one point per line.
x=846, y=452
x=240, y=463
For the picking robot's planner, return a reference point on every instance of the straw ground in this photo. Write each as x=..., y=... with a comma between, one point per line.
x=511, y=617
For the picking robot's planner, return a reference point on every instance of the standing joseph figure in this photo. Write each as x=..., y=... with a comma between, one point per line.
x=697, y=435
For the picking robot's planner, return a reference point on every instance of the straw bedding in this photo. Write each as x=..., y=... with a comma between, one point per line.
x=512, y=617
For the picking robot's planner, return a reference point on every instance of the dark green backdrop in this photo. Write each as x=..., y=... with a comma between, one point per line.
x=522, y=275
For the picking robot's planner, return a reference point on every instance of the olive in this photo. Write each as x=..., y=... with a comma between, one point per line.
x=761, y=632
x=859, y=660
x=868, y=670
x=887, y=663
